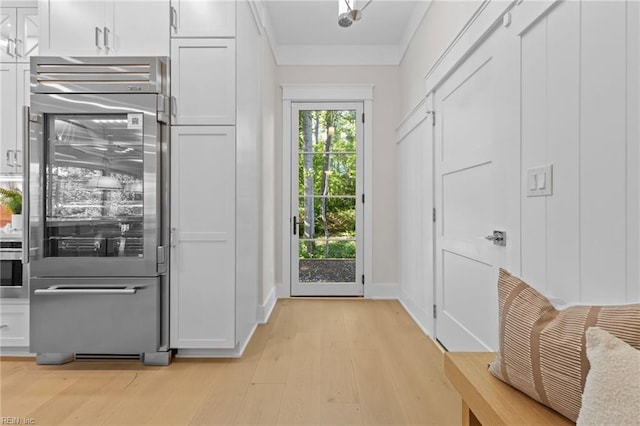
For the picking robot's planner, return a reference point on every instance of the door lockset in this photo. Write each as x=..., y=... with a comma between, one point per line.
x=499, y=238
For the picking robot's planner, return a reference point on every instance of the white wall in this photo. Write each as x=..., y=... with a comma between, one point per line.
x=386, y=105
x=580, y=112
x=248, y=154
x=581, y=243
x=439, y=27
x=270, y=104
x=442, y=23
x=415, y=223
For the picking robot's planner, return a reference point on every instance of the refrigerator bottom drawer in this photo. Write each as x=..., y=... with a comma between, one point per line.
x=95, y=316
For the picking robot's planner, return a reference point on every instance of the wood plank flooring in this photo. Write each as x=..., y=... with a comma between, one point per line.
x=317, y=361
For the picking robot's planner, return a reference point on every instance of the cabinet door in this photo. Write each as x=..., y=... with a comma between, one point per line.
x=72, y=27
x=28, y=33
x=14, y=324
x=7, y=34
x=203, y=237
x=197, y=18
x=203, y=77
x=139, y=28
x=23, y=96
x=8, y=118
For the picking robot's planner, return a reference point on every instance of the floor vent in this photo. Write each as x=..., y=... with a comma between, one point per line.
x=107, y=357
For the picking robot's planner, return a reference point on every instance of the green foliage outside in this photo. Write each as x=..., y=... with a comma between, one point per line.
x=327, y=167
x=336, y=250
x=12, y=198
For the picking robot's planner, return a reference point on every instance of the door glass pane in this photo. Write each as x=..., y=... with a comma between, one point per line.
x=94, y=186
x=327, y=196
x=31, y=35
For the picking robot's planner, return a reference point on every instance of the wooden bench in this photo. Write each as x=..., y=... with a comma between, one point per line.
x=487, y=400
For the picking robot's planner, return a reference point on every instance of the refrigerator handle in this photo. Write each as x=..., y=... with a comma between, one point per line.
x=26, y=119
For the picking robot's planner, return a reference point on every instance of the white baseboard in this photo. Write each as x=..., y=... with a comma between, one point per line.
x=282, y=290
x=16, y=351
x=218, y=353
x=382, y=291
x=265, y=309
x=420, y=316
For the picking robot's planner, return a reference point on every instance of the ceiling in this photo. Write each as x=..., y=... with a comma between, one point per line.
x=306, y=32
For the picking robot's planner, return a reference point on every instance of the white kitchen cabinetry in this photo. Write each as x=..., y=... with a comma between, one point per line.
x=19, y=29
x=203, y=81
x=112, y=27
x=14, y=325
x=8, y=117
x=14, y=86
x=197, y=18
x=203, y=218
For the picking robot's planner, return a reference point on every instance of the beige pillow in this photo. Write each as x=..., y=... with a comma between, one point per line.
x=542, y=349
x=612, y=392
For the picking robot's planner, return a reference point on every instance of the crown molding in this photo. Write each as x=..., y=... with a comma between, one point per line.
x=418, y=15
x=337, y=55
x=301, y=54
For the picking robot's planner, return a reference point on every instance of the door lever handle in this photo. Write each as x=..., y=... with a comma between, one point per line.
x=499, y=238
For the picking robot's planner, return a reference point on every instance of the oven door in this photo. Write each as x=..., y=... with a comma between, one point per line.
x=94, y=185
x=11, y=275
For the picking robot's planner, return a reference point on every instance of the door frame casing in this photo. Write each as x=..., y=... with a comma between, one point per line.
x=328, y=289
x=324, y=93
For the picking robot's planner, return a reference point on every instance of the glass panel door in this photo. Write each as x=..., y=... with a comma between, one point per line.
x=327, y=202
x=94, y=186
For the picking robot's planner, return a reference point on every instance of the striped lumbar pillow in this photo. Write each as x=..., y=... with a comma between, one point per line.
x=542, y=350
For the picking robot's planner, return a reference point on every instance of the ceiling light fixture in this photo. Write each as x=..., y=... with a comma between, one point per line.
x=348, y=13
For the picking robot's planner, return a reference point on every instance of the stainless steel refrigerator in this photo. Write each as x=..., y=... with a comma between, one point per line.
x=98, y=208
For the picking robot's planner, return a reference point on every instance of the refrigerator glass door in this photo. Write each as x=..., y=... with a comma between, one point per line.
x=96, y=173
x=94, y=179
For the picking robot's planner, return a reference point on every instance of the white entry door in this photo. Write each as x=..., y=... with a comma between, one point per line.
x=326, y=199
x=475, y=186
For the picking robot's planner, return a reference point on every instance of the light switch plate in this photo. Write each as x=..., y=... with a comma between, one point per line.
x=540, y=181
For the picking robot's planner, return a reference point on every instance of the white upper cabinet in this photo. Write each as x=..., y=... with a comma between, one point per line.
x=140, y=28
x=71, y=27
x=112, y=27
x=19, y=31
x=197, y=18
x=203, y=81
x=15, y=87
x=8, y=118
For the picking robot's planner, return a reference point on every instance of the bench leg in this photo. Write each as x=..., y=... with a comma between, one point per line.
x=468, y=418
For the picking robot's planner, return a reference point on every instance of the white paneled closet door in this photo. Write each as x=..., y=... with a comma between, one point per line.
x=476, y=191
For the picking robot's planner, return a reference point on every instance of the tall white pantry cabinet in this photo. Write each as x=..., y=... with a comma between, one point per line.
x=214, y=148
x=215, y=194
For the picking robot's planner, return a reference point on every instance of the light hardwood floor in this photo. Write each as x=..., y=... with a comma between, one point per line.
x=317, y=361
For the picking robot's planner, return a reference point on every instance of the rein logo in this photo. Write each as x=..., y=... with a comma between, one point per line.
x=17, y=421
x=134, y=88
